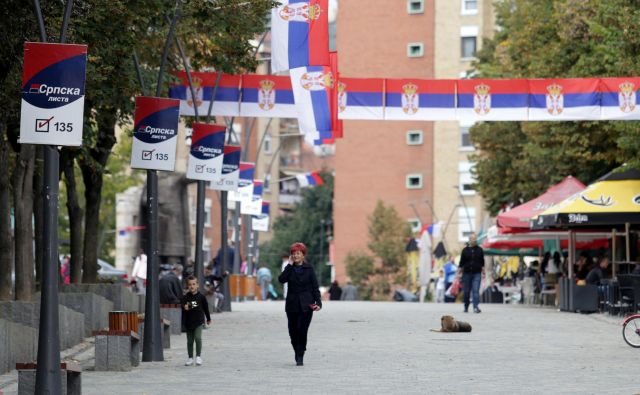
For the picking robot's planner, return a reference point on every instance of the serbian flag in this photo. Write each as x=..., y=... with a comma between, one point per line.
x=493, y=100
x=227, y=94
x=336, y=124
x=267, y=96
x=564, y=99
x=320, y=138
x=312, y=95
x=299, y=34
x=619, y=98
x=361, y=98
x=309, y=179
x=420, y=100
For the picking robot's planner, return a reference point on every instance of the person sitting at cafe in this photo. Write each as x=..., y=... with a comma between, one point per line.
x=636, y=270
x=583, y=265
x=596, y=275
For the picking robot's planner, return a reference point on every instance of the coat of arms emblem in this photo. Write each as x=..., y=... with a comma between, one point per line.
x=482, y=99
x=627, y=96
x=410, y=98
x=300, y=12
x=555, y=99
x=316, y=80
x=197, y=87
x=266, y=95
x=342, y=97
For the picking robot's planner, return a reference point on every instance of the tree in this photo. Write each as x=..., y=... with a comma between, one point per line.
x=303, y=224
x=387, y=237
x=553, y=39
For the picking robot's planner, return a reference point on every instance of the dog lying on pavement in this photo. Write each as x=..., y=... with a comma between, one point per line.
x=449, y=324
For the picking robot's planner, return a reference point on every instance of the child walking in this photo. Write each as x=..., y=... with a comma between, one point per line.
x=194, y=310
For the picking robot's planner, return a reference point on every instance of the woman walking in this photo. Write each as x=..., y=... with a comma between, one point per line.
x=303, y=298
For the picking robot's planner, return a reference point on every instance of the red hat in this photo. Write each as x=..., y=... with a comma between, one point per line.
x=298, y=247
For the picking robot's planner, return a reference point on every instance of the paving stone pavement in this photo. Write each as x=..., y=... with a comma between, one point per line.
x=372, y=348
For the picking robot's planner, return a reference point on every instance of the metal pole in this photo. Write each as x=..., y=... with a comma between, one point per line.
x=201, y=191
x=48, y=375
x=614, y=265
x=152, y=344
x=321, y=252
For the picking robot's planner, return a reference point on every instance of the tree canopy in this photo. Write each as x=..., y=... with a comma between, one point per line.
x=555, y=39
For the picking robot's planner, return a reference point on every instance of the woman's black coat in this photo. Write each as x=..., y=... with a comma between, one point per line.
x=302, y=289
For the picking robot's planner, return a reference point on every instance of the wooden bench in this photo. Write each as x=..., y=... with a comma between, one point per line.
x=71, y=378
x=116, y=350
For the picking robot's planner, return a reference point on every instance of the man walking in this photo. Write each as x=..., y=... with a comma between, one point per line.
x=471, y=266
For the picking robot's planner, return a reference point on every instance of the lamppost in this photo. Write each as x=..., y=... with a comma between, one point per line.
x=324, y=224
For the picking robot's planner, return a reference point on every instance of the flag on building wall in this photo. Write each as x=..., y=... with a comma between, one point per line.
x=493, y=100
x=360, y=98
x=300, y=34
x=564, y=99
x=267, y=96
x=309, y=179
x=312, y=94
x=619, y=98
x=227, y=95
x=420, y=100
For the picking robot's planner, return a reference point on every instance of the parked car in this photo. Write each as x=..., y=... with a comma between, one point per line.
x=108, y=272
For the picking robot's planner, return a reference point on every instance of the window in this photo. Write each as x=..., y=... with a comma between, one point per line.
x=207, y=213
x=415, y=224
x=465, y=138
x=266, y=145
x=469, y=7
x=414, y=181
x=466, y=222
x=415, y=50
x=414, y=137
x=466, y=180
x=468, y=40
x=415, y=6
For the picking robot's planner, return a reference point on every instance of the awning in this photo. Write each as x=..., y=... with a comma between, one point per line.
x=520, y=216
x=612, y=200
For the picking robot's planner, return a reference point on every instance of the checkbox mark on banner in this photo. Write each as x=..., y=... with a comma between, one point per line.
x=147, y=155
x=42, y=124
x=199, y=168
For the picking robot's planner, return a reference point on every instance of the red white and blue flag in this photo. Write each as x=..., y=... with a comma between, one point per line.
x=361, y=98
x=620, y=99
x=267, y=96
x=493, y=100
x=299, y=34
x=420, y=100
x=312, y=94
x=227, y=98
x=309, y=179
x=564, y=99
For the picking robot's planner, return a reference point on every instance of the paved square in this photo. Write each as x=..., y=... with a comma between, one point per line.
x=373, y=348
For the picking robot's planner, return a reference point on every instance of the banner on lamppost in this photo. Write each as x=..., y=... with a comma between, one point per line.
x=230, y=174
x=154, y=133
x=53, y=94
x=245, y=183
x=206, y=154
x=260, y=223
x=253, y=206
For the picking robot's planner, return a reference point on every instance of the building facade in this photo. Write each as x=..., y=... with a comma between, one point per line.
x=388, y=161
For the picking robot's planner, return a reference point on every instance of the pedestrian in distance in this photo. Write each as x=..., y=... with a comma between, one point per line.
x=303, y=298
x=335, y=292
x=471, y=267
x=450, y=270
x=170, y=286
x=139, y=272
x=349, y=292
x=194, y=310
x=440, y=287
x=264, y=279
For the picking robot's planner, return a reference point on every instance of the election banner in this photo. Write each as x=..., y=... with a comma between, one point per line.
x=154, y=133
x=260, y=223
x=245, y=183
x=253, y=206
x=207, y=148
x=53, y=94
x=230, y=174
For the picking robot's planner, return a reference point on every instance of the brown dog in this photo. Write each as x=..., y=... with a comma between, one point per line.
x=449, y=324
